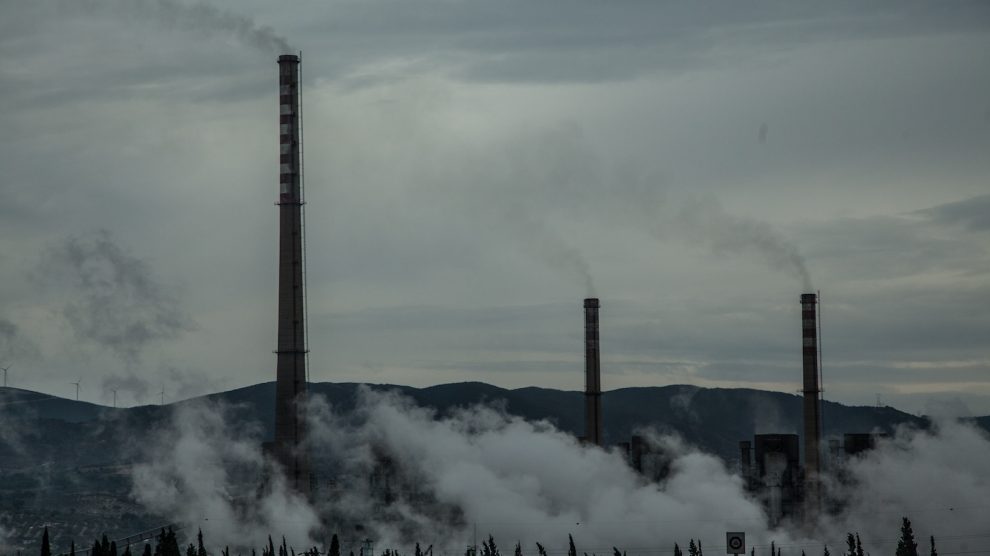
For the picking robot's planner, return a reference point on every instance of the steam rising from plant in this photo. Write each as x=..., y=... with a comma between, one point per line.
x=405, y=476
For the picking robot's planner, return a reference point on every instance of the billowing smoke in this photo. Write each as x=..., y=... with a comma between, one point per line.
x=403, y=475
x=196, y=17
x=114, y=299
x=204, y=472
x=707, y=223
x=938, y=478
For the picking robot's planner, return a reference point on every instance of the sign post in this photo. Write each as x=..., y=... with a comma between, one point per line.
x=735, y=543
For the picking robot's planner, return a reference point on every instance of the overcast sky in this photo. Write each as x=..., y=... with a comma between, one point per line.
x=474, y=168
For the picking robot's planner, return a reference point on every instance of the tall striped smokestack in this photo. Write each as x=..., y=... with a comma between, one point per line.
x=592, y=374
x=290, y=387
x=812, y=406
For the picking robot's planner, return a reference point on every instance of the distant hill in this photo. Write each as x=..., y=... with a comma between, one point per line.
x=715, y=419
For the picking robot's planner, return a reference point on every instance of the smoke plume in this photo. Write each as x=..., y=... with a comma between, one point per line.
x=707, y=223
x=14, y=345
x=114, y=299
x=197, y=17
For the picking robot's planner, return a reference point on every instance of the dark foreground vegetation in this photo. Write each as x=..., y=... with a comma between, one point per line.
x=167, y=544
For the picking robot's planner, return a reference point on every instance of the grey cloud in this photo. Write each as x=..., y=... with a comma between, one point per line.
x=115, y=300
x=591, y=42
x=972, y=214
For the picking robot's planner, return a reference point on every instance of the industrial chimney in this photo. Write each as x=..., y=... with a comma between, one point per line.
x=592, y=374
x=812, y=407
x=291, y=377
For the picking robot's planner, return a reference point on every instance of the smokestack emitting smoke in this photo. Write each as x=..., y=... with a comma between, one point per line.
x=592, y=374
x=812, y=407
x=290, y=389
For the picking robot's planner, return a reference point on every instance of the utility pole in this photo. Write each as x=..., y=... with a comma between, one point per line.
x=77, y=390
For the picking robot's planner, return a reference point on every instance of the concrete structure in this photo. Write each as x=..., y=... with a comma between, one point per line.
x=592, y=374
x=291, y=376
x=812, y=406
x=776, y=474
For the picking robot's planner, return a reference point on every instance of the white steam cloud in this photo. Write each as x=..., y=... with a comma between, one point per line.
x=207, y=474
x=402, y=475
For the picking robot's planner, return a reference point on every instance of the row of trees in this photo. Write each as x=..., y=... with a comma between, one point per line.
x=166, y=544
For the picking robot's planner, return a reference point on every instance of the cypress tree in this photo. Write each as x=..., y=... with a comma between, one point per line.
x=692, y=549
x=72, y=548
x=700, y=553
x=826, y=550
x=540, y=550
x=859, y=546
x=190, y=550
x=96, y=550
x=773, y=548
x=518, y=550
x=113, y=548
x=677, y=550
x=46, y=547
x=488, y=547
x=571, y=550
x=934, y=552
x=201, y=550
x=334, y=549
x=906, y=546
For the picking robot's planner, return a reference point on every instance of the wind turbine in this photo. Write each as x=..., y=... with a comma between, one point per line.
x=5, y=369
x=77, y=389
x=114, y=390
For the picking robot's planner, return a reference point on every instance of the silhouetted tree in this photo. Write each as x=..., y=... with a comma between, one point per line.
x=518, y=550
x=72, y=548
x=540, y=550
x=934, y=552
x=773, y=548
x=488, y=547
x=906, y=546
x=46, y=547
x=859, y=546
x=190, y=550
x=677, y=550
x=127, y=550
x=826, y=550
x=334, y=549
x=615, y=552
x=200, y=550
x=571, y=550
x=692, y=549
x=147, y=550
